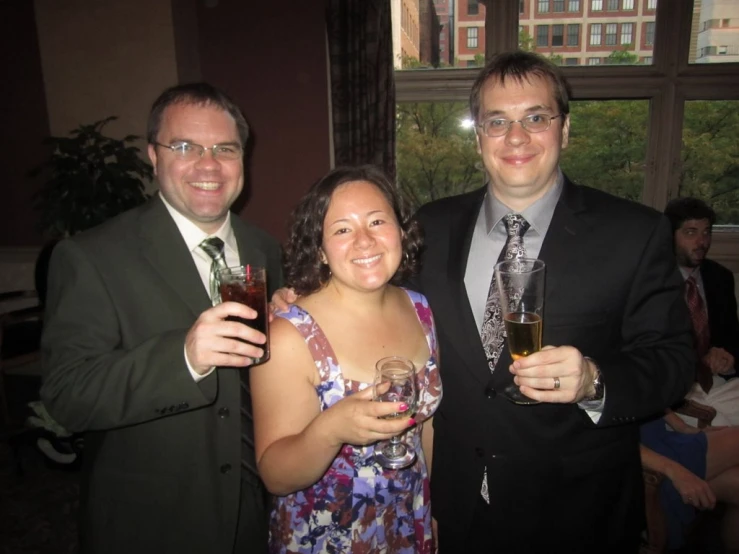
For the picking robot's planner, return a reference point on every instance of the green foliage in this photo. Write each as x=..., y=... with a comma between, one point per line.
x=436, y=157
x=622, y=57
x=526, y=41
x=89, y=179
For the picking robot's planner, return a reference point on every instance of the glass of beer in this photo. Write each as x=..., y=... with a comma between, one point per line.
x=247, y=285
x=395, y=381
x=521, y=289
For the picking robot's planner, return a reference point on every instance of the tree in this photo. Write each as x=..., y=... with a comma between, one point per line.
x=622, y=57
x=436, y=157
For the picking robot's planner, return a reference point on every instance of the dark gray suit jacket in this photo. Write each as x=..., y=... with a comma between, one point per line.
x=162, y=453
x=558, y=482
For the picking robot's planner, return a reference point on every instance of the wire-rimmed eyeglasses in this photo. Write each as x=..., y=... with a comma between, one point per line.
x=190, y=151
x=534, y=123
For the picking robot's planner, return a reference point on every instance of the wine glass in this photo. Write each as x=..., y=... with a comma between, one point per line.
x=398, y=376
x=521, y=289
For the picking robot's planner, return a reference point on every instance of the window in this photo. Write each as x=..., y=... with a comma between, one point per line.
x=558, y=38
x=573, y=35
x=571, y=61
x=521, y=6
x=627, y=33
x=651, y=4
x=723, y=50
x=471, y=37
x=647, y=60
x=593, y=61
x=473, y=7
x=559, y=6
x=595, y=34
x=543, y=6
x=649, y=33
x=612, y=5
x=542, y=35
x=627, y=5
x=573, y=6
x=596, y=5
x=726, y=23
x=611, y=31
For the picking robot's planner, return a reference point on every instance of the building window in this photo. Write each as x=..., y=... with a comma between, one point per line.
x=473, y=7
x=611, y=32
x=542, y=35
x=612, y=6
x=593, y=61
x=627, y=33
x=573, y=6
x=521, y=6
x=627, y=5
x=647, y=60
x=723, y=50
x=726, y=22
x=596, y=5
x=558, y=35
x=559, y=6
x=573, y=35
x=571, y=61
x=543, y=6
x=651, y=4
x=471, y=37
x=595, y=34
x=649, y=34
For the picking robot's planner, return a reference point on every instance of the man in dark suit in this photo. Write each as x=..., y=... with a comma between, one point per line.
x=692, y=224
x=563, y=475
x=136, y=356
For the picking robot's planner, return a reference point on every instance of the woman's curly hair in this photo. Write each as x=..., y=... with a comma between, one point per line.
x=304, y=270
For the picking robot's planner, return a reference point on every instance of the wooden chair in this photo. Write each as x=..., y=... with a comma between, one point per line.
x=655, y=541
x=20, y=331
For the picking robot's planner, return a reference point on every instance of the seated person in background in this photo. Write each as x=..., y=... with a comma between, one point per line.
x=701, y=468
x=709, y=293
x=316, y=428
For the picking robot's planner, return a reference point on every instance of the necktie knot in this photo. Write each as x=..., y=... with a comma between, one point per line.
x=515, y=225
x=213, y=246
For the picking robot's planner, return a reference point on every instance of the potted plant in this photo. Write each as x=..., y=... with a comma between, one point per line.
x=91, y=178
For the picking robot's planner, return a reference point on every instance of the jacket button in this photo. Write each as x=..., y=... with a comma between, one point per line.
x=479, y=452
x=490, y=391
x=226, y=468
x=223, y=413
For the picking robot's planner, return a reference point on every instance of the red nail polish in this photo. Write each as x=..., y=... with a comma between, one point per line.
x=411, y=422
x=404, y=407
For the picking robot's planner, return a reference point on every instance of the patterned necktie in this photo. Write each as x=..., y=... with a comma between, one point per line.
x=701, y=333
x=493, y=329
x=213, y=246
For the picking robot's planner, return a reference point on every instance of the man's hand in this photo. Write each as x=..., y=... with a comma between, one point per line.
x=281, y=299
x=214, y=341
x=719, y=360
x=538, y=373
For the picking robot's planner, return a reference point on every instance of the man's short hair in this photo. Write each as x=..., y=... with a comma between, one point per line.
x=198, y=94
x=680, y=210
x=520, y=66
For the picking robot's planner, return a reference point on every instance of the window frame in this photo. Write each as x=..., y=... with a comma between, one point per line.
x=668, y=83
x=473, y=36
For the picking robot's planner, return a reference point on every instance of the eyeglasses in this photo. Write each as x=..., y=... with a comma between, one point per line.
x=189, y=151
x=534, y=123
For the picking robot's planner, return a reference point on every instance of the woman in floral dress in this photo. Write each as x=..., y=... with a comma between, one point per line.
x=315, y=422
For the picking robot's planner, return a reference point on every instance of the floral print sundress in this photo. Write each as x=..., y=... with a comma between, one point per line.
x=359, y=507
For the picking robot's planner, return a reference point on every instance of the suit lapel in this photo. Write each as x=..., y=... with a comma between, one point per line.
x=163, y=247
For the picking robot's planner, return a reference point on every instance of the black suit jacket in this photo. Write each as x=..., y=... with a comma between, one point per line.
x=723, y=323
x=613, y=291
x=162, y=453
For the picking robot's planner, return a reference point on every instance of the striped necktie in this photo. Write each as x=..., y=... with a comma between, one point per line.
x=213, y=246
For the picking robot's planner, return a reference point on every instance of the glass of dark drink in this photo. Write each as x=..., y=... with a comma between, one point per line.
x=521, y=289
x=247, y=285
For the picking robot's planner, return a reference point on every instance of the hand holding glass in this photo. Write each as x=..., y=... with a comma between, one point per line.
x=521, y=289
x=247, y=285
x=395, y=381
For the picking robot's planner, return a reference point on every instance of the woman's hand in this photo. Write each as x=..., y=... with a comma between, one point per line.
x=356, y=419
x=281, y=299
x=693, y=490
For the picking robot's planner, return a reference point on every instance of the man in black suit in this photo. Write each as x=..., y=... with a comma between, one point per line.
x=136, y=356
x=692, y=223
x=563, y=475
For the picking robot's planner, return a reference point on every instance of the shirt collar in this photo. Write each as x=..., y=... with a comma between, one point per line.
x=194, y=235
x=539, y=214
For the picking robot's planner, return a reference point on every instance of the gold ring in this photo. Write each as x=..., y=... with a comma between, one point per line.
x=557, y=384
